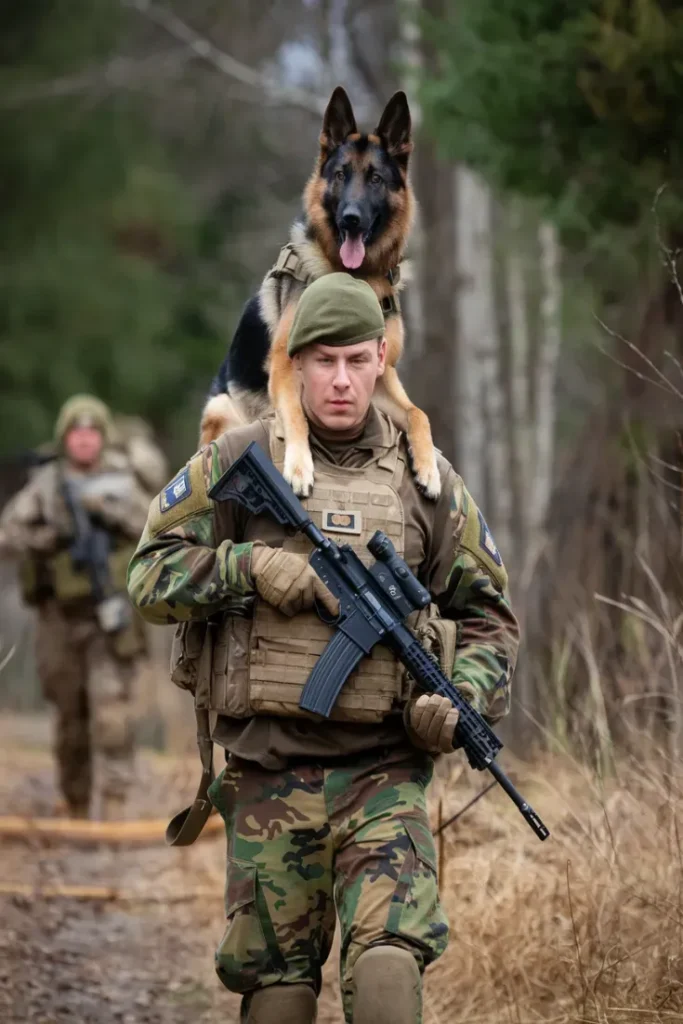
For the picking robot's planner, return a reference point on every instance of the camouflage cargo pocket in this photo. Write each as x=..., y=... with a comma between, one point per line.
x=415, y=912
x=248, y=956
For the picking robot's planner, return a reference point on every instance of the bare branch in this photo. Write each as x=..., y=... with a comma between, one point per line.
x=5, y=660
x=274, y=92
x=675, y=360
x=121, y=72
x=665, y=385
x=669, y=256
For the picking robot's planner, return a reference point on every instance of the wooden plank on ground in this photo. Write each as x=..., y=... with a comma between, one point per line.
x=70, y=830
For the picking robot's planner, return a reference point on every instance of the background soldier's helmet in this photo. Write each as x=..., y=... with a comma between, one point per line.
x=84, y=410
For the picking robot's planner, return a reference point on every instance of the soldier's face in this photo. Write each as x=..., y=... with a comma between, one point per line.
x=83, y=445
x=337, y=382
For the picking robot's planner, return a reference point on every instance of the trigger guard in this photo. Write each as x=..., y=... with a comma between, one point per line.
x=324, y=615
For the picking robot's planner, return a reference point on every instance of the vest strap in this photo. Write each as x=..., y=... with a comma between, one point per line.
x=187, y=825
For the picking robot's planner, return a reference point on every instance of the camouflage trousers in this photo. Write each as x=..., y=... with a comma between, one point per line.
x=92, y=692
x=312, y=838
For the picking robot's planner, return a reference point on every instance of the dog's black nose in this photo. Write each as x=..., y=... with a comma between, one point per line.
x=350, y=220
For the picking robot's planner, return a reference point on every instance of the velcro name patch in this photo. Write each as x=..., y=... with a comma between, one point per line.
x=342, y=521
x=178, y=489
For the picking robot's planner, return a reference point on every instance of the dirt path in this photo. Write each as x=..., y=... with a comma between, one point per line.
x=145, y=960
x=146, y=957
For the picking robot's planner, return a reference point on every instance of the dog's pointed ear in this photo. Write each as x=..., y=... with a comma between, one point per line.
x=338, y=121
x=394, y=128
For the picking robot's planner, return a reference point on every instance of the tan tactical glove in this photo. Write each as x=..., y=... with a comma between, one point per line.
x=110, y=509
x=18, y=539
x=286, y=581
x=433, y=720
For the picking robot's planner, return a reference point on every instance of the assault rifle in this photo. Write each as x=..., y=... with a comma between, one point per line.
x=373, y=604
x=89, y=549
x=89, y=552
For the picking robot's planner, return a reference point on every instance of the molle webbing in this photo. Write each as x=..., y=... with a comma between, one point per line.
x=349, y=505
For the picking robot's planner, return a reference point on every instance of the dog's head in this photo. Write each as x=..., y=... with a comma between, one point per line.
x=358, y=201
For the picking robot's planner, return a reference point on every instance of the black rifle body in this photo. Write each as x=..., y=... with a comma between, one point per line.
x=91, y=544
x=374, y=603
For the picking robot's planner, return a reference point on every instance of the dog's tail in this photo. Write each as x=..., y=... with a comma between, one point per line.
x=220, y=414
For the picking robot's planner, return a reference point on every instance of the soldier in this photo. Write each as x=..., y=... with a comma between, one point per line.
x=88, y=644
x=136, y=438
x=325, y=814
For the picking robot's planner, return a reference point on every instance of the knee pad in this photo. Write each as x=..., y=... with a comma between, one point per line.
x=282, y=1004
x=387, y=988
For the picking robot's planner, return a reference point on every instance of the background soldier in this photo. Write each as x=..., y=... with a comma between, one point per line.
x=75, y=525
x=320, y=814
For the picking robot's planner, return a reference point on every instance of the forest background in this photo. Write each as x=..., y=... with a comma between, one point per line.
x=153, y=156
x=152, y=163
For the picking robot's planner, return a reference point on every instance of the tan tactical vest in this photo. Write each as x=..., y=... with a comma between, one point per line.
x=241, y=666
x=259, y=665
x=54, y=575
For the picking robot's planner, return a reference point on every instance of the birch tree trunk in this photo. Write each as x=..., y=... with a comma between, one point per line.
x=480, y=397
x=521, y=431
x=431, y=365
x=546, y=375
x=411, y=61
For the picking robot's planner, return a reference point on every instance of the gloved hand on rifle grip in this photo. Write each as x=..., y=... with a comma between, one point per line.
x=287, y=582
x=432, y=718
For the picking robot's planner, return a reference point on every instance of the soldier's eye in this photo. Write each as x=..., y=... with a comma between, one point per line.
x=376, y=179
x=339, y=175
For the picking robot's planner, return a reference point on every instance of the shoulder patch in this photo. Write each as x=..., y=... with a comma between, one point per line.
x=183, y=498
x=486, y=541
x=178, y=489
x=478, y=540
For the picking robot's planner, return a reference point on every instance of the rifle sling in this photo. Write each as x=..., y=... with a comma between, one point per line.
x=187, y=825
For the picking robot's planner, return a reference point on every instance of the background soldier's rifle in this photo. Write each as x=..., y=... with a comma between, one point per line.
x=89, y=552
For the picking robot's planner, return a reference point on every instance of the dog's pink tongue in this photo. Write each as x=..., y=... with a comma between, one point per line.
x=352, y=253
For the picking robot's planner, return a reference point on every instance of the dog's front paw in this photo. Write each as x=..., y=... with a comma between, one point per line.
x=298, y=469
x=426, y=473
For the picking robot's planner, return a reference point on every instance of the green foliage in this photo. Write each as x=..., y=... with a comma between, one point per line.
x=112, y=276
x=576, y=103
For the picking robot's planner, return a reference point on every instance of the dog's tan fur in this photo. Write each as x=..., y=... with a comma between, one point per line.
x=279, y=294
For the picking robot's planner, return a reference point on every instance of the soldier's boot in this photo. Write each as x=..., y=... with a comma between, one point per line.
x=281, y=1004
x=386, y=987
x=113, y=807
x=76, y=810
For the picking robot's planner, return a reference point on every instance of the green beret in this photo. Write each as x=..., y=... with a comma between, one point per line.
x=337, y=309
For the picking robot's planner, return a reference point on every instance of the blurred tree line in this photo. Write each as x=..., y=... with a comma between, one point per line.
x=127, y=174
x=570, y=110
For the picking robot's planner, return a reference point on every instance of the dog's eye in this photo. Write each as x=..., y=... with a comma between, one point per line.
x=376, y=179
x=339, y=175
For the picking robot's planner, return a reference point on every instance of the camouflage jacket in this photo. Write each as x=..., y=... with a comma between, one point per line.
x=36, y=519
x=193, y=561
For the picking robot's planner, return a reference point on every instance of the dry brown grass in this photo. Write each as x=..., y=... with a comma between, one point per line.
x=586, y=927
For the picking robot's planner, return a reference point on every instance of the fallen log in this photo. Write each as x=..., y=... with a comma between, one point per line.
x=71, y=830
x=105, y=893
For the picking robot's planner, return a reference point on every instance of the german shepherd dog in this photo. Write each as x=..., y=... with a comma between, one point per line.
x=358, y=210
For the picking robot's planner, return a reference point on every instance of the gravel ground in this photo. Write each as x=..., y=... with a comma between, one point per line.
x=142, y=958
